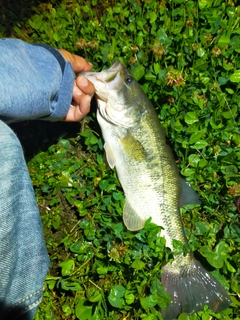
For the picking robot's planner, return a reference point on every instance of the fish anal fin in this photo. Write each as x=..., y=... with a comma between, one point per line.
x=189, y=196
x=131, y=219
x=110, y=156
x=191, y=287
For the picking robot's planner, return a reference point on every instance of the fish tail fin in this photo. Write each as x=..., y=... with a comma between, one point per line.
x=191, y=287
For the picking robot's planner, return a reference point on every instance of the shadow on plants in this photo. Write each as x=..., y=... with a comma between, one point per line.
x=16, y=313
x=13, y=12
x=36, y=136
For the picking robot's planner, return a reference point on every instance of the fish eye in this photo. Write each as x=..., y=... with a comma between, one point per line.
x=128, y=80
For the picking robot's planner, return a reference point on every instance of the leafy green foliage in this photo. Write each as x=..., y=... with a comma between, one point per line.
x=91, y=251
x=185, y=54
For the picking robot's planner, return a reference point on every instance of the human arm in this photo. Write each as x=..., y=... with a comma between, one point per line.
x=36, y=82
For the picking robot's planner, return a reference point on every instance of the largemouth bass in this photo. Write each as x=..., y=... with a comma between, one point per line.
x=135, y=145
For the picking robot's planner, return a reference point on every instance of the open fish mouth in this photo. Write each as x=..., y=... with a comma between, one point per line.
x=105, y=80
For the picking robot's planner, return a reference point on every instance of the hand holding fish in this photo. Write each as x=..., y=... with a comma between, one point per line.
x=83, y=89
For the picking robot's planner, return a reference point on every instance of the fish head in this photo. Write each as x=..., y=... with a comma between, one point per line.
x=119, y=96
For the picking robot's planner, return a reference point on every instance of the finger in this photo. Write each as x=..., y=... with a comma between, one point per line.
x=84, y=85
x=79, y=64
x=77, y=95
x=78, y=112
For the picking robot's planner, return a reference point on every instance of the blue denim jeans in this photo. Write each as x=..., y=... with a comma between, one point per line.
x=23, y=257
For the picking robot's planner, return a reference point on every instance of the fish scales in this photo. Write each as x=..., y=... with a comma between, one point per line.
x=135, y=145
x=150, y=176
x=144, y=172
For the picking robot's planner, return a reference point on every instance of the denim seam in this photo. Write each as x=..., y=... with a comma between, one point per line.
x=27, y=298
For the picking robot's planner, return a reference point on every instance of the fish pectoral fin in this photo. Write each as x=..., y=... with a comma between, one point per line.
x=133, y=148
x=110, y=156
x=189, y=196
x=131, y=219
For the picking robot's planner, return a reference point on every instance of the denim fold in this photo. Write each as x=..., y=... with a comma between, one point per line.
x=24, y=260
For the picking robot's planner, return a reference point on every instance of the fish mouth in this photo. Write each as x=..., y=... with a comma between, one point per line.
x=105, y=80
x=104, y=76
x=116, y=66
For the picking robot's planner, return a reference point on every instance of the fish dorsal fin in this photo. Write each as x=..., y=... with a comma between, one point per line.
x=131, y=219
x=110, y=156
x=189, y=196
